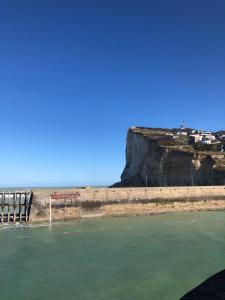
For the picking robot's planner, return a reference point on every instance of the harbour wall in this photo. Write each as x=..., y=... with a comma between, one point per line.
x=69, y=204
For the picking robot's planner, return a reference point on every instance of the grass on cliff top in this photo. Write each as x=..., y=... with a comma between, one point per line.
x=183, y=143
x=148, y=132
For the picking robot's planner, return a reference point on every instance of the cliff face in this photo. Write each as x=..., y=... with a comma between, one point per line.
x=150, y=163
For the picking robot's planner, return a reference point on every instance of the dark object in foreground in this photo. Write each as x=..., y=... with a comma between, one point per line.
x=211, y=289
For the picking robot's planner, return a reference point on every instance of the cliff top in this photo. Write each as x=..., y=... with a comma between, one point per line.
x=186, y=139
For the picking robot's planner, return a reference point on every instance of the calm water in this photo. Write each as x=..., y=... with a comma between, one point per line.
x=158, y=257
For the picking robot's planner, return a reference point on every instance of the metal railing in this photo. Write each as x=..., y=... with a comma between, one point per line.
x=15, y=206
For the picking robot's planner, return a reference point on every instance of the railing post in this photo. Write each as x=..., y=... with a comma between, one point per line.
x=14, y=208
x=20, y=209
x=50, y=209
x=26, y=206
x=9, y=206
x=3, y=206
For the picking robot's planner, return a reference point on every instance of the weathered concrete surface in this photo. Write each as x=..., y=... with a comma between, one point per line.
x=150, y=163
x=211, y=289
x=81, y=203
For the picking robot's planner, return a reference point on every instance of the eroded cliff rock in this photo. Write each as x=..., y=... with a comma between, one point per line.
x=154, y=159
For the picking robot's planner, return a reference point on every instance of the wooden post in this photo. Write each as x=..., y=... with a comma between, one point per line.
x=26, y=207
x=8, y=207
x=14, y=207
x=3, y=206
x=19, y=208
x=50, y=209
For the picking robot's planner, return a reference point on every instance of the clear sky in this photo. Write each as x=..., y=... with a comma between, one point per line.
x=74, y=75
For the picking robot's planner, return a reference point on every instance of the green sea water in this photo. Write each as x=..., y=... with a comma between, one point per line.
x=157, y=257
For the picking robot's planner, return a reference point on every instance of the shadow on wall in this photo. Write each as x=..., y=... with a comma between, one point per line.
x=211, y=289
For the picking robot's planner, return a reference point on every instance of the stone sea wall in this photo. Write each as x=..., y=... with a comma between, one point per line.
x=80, y=203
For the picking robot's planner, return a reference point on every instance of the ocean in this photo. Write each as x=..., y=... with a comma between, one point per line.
x=155, y=257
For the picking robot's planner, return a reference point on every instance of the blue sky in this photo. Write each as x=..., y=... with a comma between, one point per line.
x=74, y=75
